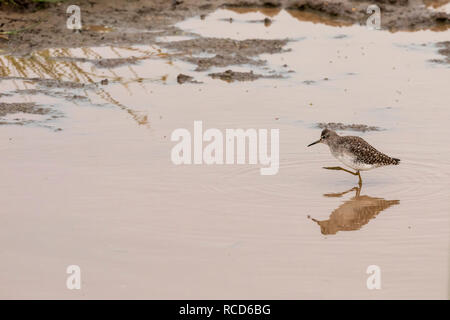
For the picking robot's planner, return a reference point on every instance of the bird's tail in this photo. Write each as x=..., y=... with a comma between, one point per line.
x=395, y=161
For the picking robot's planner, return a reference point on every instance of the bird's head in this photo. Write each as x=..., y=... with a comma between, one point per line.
x=325, y=137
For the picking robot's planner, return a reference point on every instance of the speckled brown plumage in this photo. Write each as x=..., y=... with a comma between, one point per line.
x=364, y=152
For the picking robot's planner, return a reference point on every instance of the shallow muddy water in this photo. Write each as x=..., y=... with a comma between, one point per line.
x=97, y=188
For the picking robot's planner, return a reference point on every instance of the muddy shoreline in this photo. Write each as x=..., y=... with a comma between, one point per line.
x=142, y=21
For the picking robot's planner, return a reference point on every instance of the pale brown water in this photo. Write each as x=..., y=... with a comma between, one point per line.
x=103, y=193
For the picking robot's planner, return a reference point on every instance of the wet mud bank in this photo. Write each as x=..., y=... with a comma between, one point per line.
x=31, y=108
x=230, y=76
x=142, y=21
x=444, y=50
x=27, y=35
x=27, y=113
x=224, y=52
x=347, y=127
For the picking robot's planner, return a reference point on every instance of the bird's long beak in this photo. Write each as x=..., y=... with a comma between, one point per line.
x=309, y=145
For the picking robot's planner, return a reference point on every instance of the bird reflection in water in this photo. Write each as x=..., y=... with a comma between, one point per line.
x=353, y=213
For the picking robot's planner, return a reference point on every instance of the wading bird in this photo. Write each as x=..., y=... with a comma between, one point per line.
x=354, y=152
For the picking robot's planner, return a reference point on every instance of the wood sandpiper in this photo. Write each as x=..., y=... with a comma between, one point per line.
x=354, y=152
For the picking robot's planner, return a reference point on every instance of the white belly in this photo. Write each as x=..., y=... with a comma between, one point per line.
x=351, y=162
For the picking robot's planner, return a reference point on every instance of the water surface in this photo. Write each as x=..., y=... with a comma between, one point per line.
x=104, y=194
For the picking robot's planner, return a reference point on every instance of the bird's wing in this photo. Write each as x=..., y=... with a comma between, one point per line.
x=365, y=152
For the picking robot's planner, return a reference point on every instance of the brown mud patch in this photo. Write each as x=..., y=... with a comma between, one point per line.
x=397, y=15
x=220, y=60
x=28, y=107
x=351, y=127
x=106, y=63
x=444, y=49
x=52, y=83
x=17, y=114
x=184, y=78
x=435, y=3
x=51, y=93
x=55, y=83
x=226, y=51
x=230, y=76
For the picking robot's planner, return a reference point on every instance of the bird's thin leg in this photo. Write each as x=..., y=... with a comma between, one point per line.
x=360, y=180
x=340, y=168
